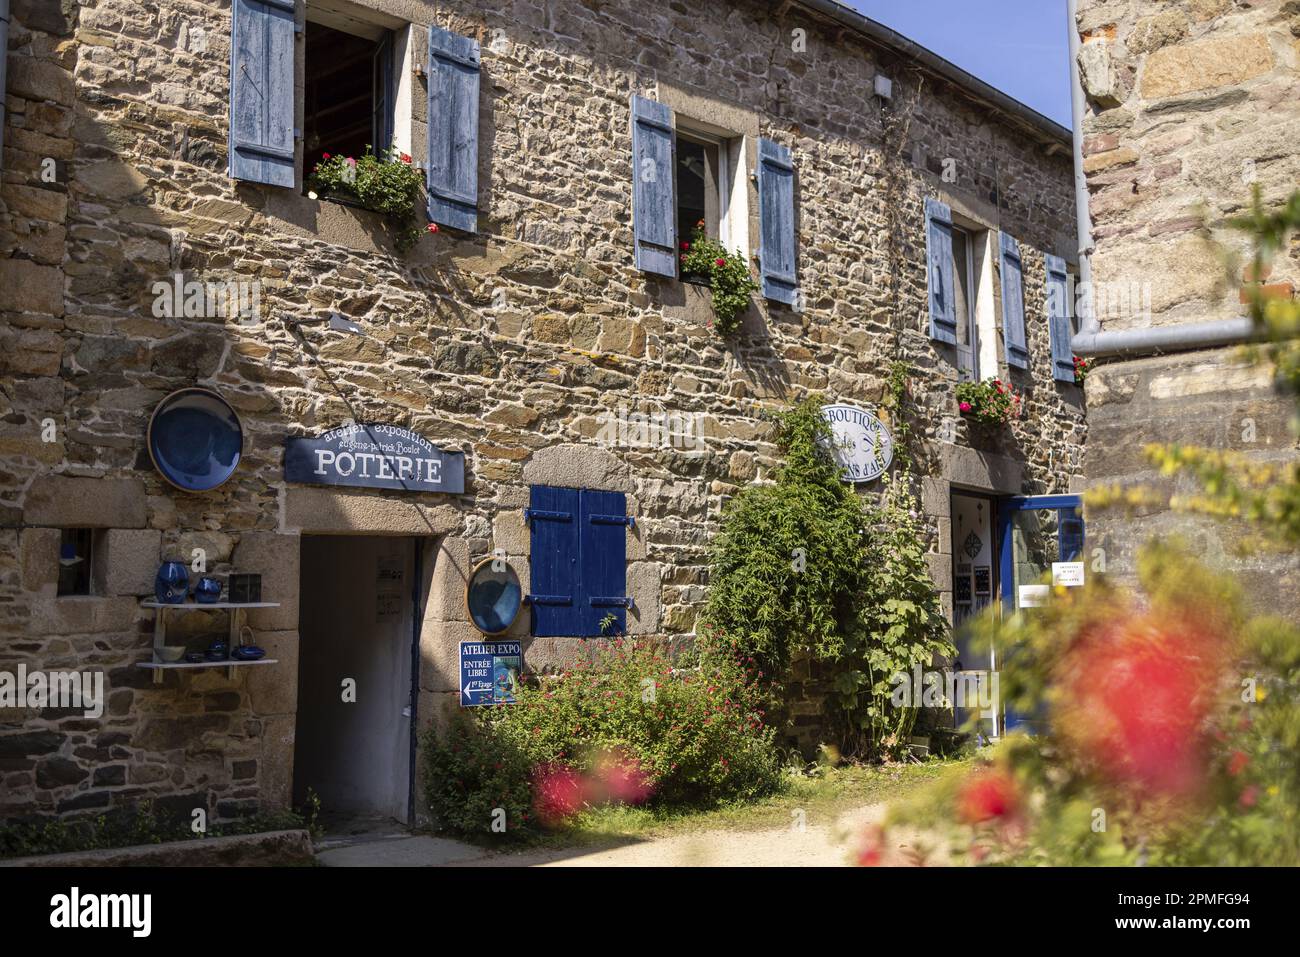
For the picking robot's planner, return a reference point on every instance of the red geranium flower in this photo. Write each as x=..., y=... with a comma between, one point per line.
x=432, y=227
x=324, y=155
x=1237, y=763
x=406, y=158
x=686, y=245
x=719, y=262
x=987, y=795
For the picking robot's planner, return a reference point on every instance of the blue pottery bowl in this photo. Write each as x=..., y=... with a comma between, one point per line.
x=171, y=586
x=248, y=653
x=493, y=597
x=207, y=591
x=195, y=439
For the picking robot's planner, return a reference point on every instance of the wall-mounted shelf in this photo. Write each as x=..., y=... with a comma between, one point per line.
x=236, y=609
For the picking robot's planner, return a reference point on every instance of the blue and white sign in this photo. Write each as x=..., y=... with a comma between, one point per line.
x=863, y=446
x=489, y=672
x=374, y=456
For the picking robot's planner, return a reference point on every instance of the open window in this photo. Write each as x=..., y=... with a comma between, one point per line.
x=965, y=245
x=348, y=86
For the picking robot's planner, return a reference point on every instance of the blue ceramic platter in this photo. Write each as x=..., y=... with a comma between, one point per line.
x=493, y=598
x=195, y=439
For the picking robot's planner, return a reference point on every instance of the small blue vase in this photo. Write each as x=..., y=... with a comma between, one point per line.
x=172, y=584
x=207, y=591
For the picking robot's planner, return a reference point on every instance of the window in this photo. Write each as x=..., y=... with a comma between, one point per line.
x=701, y=185
x=348, y=93
x=964, y=244
x=578, y=562
x=74, y=561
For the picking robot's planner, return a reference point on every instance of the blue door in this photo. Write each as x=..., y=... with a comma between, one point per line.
x=1033, y=533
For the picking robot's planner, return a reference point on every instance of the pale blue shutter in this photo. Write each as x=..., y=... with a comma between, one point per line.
x=1013, y=304
x=776, y=249
x=381, y=124
x=453, y=130
x=938, y=254
x=654, y=218
x=1058, y=318
x=261, y=142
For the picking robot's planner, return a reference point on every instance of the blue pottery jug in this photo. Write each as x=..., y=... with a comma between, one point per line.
x=207, y=591
x=172, y=584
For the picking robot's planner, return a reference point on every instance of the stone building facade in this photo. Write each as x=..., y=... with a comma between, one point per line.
x=1190, y=106
x=517, y=342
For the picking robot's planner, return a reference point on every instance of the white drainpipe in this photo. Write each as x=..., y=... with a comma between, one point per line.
x=1090, y=340
x=4, y=59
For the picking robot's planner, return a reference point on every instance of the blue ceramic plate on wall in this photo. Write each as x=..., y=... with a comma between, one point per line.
x=493, y=597
x=195, y=439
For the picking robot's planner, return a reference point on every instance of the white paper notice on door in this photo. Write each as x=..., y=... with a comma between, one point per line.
x=1033, y=596
x=1067, y=574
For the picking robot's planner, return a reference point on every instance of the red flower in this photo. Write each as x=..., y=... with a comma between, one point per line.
x=719, y=262
x=1249, y=796
x=987, y=795
x=686, y=245
x=1237, y=763
x=872, y=850
x=324, y=155
x=432, y=227
x=406, y=158
x=557, y=792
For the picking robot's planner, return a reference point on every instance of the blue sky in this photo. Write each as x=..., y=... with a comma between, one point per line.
x=1019, y=46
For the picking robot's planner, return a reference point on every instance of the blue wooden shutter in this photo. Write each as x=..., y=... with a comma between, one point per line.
x=381, y=124
x=453, y=130
x=261, y=142
x=603, y=561
x=654, y=209
x=1070, y=535
x=554, y=566
x=1058, y=318
x=938, y=254
x=776, y=249
x=1013, y=304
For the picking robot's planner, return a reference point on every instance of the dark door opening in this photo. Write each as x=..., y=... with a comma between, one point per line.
x=357, y=627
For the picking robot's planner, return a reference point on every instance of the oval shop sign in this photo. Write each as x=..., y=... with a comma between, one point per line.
x=863, y=446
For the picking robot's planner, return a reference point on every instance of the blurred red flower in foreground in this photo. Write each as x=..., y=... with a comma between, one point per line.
x=987, y=796
x=871, y=853
x=621, y=779
x=1136, y=697
x=558, y=792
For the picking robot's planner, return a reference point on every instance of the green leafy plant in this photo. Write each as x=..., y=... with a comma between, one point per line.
x=805, y=566
x=728, y=276
x=389, y=185
x=991, y=401
x=625, y=726
x=1170, y=721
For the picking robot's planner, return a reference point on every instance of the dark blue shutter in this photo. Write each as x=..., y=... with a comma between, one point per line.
x=1013, y=304
x=554, y=569
x=938, y=254
x=604, y=561
x=381, y=125
x=654, y=209
x=776, y=249
x=453, y=130
x=261, y=144
x=1058, y=318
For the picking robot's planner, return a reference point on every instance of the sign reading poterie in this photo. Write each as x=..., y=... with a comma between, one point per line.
x=374, y=456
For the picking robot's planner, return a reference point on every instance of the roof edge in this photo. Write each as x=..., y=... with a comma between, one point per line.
x=895, y=41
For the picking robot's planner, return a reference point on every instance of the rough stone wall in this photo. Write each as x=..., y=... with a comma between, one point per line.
x=1191, y=105
x=510, y=344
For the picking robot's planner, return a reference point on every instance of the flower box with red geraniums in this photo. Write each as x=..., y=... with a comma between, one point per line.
x=726, y=273
x=1082, y=367
x=992, y=401
x=389, y=185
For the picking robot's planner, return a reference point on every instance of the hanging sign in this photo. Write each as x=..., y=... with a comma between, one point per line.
x=374, y=456
x=864, y=448
x=489, y=672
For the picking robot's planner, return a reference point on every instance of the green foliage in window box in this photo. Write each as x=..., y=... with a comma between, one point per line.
x=624, y=726
x=806, y=566
x=389, y=185
x=728, y=276
x=991, y=401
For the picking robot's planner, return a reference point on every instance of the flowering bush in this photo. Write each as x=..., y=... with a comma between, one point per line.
x=389, y=185
x=991, y=401
x=1082, y=367
x=625, y=727
x=728, y=276
x=1170, y=733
